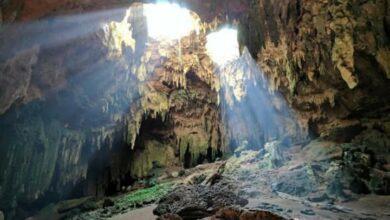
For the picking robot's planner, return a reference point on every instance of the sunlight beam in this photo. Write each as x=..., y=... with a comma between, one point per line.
x=169, y=21
x=222, y=46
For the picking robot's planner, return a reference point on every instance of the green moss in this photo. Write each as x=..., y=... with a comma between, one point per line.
x=144, y=195
x=128, y=202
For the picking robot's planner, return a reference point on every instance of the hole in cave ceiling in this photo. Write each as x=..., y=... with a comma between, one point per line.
x=222, y=46
x=167, y=21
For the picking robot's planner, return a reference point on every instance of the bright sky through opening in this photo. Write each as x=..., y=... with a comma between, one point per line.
x=168, y=21
x=222, y=46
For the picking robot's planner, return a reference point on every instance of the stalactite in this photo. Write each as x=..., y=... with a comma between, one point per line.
x=117, y=34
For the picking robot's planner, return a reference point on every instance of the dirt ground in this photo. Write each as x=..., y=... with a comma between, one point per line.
x=145, y=213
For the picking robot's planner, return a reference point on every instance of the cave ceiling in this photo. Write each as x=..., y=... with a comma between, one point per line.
x=208, y=10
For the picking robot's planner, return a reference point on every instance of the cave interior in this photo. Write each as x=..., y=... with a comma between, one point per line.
x=185, y=109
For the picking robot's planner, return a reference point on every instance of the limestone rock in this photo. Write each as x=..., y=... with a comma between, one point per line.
x=83, y=117
x=298, y=182
x=274, y=154
x=314, y=52
x=199, y=201
x=15, y=78
x=383, y=58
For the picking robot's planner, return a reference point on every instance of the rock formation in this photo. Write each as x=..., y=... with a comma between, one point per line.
x=325, y=57
x=89, y=116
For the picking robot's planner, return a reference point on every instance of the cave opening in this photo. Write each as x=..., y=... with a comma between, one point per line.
x=160, y=17
x=156, y=128
x=153, y=147
x=222, y=45
x=188, y=157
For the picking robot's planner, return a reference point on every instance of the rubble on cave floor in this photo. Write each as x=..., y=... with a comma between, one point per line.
x=143, y=193
x=310, y=181
x=200, y=200
x=315, y=180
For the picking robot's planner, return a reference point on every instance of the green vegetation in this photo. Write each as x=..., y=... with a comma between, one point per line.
x=124, y=203
x=144, y=196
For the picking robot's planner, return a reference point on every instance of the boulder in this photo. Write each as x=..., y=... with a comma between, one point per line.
x=274, y=154
x=297, y=182
x=199, y=201
x=379, y=182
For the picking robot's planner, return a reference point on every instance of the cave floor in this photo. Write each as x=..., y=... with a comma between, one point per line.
x=367, y=207
x=263, y=186
x=257, y=185
x=261, y=197
x=145, y=213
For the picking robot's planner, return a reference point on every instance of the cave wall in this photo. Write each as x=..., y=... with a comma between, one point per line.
x=61, y=105
x=253, y=113
x=73, y=103
x=183, y=94
x=189, y=134
x=330, y=59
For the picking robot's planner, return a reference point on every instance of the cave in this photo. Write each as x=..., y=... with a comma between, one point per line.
x=183, y=109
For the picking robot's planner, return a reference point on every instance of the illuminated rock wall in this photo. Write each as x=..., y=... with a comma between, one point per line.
x=77, y=108
x=328, y=58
